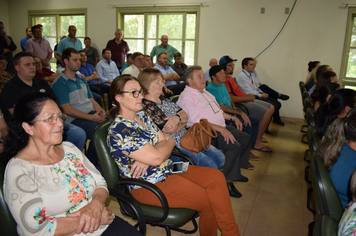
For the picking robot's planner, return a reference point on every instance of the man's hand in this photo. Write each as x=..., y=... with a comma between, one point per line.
x=264, y=95
x=106, y=217
x=98, y=118
x=138, y=169
x=246, y=119
x=167, y=90
x=238, y=123
x=228, y=137
x=250, y=97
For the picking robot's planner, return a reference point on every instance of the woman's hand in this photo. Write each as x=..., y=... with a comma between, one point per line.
x=138, y=169
x=106, y=217
x=89, y=217
x=171, y=125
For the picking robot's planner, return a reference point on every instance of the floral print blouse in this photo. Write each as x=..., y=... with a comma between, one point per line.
x=39, y=194
x=347, y=224
x=129, y=136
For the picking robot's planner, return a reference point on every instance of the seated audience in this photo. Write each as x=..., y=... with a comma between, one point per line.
x=169, y=75
x=128, y=62
x=249, y=82
x=60, y=191
x=147, y=61
x=325, y=93
x=91, y=52
x=338, y=148
x=212, y=62
x=136, y=66
x=171, y=119
x=106, y=68
x=347, y=224
x=24, y=83
x=39, y=47
x=24, y=40
x=91, y=77
x=179, y=67
x=249, y=124
x=311, y=66
x=7, y=47
x=340, y=103
x=44, y=72
x=258, y=109
x=316, y=73
x=76, y=99
x=141, y=151
x=325, y=78
x=199, y=103
x=4, y=75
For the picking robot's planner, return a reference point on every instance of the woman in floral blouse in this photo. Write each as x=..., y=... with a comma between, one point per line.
x=50, y=187
x=4, y=75
x=141, y=151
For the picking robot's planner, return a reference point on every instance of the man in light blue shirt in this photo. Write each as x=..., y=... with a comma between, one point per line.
x=212, y=62
x=24, y=40
x=169, y=75
x=106, y=68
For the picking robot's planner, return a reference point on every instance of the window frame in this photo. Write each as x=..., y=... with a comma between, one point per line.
x=191, y=9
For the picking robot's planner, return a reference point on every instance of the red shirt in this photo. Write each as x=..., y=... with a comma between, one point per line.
x=233, y=87
x=45, y=73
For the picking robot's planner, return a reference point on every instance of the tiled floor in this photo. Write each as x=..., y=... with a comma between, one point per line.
x=274, y=199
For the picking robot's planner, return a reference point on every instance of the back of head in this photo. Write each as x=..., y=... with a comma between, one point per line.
x=325, y=91
x=333, y=108
x=27, y=108
x=312, y=65
x=325, y=78
x=341, y=130
x=117, y=87
x=321, y=69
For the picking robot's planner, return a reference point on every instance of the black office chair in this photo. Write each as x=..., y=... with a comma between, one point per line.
x=168, y=218
x=7, y=223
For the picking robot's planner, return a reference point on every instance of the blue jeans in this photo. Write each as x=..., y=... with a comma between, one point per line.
x=213, y=158
x=251, y=130
x=88, y=126
x=75, y=135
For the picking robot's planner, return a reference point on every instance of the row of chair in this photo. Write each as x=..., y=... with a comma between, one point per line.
x=328, y=208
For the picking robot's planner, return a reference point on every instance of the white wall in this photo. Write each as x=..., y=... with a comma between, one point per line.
x=315, y=31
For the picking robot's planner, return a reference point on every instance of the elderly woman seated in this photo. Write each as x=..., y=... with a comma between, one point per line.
x=50, y=187
x=141, y=151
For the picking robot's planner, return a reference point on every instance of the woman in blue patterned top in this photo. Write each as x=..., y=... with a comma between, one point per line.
x=50, y=187
x=141, y=151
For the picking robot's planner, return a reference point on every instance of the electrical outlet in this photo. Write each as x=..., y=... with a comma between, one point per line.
x=286, y=10
x=262, y=10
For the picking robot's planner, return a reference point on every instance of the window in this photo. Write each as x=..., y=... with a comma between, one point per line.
x=348, y=66
x=56, y=22
x=143, y=29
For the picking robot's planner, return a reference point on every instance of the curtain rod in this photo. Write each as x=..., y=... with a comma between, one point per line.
x=202, y=4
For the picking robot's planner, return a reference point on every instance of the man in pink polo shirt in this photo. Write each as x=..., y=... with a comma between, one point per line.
x=198, y=103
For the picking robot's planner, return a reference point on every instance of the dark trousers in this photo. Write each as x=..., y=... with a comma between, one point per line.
x=272, y=99
x=271, y=93
x=251, y=130
x=236, y=154
x=101, y=89
x=119, y=227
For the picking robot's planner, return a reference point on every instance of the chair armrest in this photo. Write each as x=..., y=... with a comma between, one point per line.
x=132, y=203
x=151, y=187
x=184, y=157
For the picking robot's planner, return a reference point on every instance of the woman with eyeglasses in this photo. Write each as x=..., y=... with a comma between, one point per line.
x=171, y=119
x=50, y=187
x=141, y=150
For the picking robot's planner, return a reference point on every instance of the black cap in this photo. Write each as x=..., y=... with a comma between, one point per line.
x=225, y=60
x=215, y=69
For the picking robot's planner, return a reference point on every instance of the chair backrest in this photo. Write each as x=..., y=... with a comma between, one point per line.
x=310, y=116
x=326, y=197
x=313, y=139
x=174, y=98
x=325, y=226
x=109, y=168
x=7, y=223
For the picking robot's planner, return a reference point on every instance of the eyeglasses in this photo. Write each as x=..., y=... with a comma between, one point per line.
x=157, y=81
x=53, y=118
x=135, y=94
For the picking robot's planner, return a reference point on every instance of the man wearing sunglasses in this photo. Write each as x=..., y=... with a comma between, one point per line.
x=76, y=99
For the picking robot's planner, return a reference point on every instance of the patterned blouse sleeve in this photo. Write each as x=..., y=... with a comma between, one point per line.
x=25, y=202
x=154, y=113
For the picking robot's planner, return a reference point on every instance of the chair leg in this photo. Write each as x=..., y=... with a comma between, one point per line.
x=311, y=228
x=306, y=154
x=309, y=192
x=168, y=231
x=306, y=174
x=303, y=129
x=304, y=139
